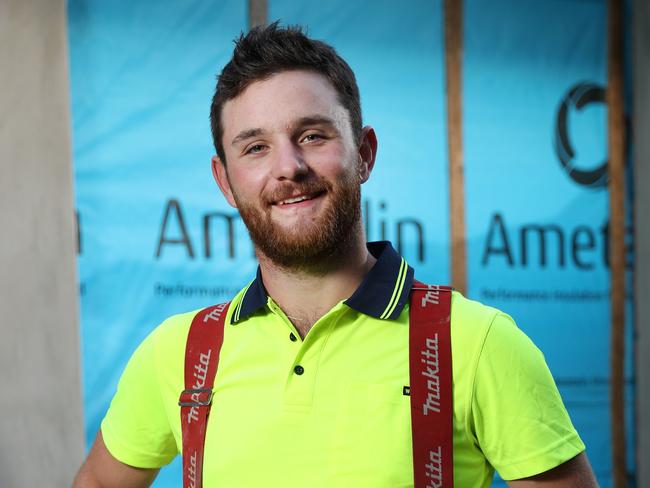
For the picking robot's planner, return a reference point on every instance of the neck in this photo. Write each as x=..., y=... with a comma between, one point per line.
x=306, y=295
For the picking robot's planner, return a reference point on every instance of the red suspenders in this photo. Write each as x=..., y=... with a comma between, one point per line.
x=430, y=390
x=201, y=359
x=432, y=413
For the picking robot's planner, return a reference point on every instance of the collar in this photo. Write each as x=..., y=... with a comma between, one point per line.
x=382, y=293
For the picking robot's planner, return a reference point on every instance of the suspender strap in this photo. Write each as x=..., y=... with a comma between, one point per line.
x=201, y=359
x=431, y=386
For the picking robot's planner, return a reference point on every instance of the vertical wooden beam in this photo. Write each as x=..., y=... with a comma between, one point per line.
x=257, y=13
x=641, y=119
x=453, y=70
x=616, y=123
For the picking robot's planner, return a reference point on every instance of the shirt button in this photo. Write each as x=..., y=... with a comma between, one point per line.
x=293, y=337
x=299, y=370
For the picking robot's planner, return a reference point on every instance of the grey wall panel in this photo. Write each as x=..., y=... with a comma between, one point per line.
x=41, y=441
x=641, y=65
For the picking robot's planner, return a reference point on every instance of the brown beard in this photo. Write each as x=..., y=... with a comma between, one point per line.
x=317, y=248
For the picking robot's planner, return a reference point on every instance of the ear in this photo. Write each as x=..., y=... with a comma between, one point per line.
x=220, y=174
x=367, y=153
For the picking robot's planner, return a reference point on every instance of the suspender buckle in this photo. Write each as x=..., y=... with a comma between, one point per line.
x=195, y=397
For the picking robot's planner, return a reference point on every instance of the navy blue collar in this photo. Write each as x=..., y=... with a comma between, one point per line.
x=382, y=293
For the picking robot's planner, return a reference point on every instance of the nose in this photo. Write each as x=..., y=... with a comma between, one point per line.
x=288, y=162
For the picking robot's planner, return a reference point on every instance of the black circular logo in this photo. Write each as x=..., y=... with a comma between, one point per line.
x=577, y=98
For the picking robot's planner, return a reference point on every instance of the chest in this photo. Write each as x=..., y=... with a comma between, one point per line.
x=349, y=425
x=329, y=410
x=319, y=405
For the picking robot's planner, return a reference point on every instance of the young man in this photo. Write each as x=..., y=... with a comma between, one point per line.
x=309, y=387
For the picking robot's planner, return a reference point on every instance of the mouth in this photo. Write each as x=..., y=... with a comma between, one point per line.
x=298, y=199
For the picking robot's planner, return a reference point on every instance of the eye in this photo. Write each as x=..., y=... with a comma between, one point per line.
x=312, y=137
x=254, y=149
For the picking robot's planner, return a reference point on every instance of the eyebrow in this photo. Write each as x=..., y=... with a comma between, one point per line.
x=246, y=134
x=315, y=120
x=308, y=120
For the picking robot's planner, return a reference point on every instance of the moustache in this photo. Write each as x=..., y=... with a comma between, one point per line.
x=292, y=190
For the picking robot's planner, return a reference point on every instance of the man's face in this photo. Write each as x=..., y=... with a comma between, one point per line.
x=293, y=168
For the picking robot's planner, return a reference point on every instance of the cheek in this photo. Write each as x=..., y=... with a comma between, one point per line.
x=336, y=163
x=348, y=168
x=246, y=180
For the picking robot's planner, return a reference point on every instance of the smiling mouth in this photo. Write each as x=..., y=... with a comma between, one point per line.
x=299, y=198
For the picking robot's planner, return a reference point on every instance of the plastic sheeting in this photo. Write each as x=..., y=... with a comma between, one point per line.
x=156, y=237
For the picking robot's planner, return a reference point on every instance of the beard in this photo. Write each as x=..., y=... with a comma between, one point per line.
x=315, y=245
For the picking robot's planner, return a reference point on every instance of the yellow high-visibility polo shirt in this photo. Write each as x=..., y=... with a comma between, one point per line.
x=329, y=411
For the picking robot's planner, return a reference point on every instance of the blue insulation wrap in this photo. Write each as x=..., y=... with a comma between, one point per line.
x=157, y=238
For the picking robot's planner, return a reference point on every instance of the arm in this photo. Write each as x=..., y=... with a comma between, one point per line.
x=102, y=470
x=520, y=420
x=575, y=473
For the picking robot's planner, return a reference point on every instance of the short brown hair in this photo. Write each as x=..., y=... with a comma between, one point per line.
x=268, y=50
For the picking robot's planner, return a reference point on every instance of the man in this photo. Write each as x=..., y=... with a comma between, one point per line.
x=309, y=387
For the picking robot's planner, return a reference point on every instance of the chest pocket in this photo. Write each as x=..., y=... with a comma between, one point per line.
x=373, y=437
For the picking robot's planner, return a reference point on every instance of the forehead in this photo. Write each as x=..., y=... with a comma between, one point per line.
x=274, y=103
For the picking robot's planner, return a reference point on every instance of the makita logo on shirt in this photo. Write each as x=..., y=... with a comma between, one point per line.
x=200, y=373
x=431, y=297
x=430, y=358
x=201, y=369
x=431, y=369
x=215, y=314
x=434, y=468
x=191, y=474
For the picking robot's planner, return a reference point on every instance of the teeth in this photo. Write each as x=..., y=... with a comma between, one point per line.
x=294, y=200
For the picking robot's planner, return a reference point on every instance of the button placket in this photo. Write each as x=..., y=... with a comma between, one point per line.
x=302, y=375
x=293, y=337
x=301, y=381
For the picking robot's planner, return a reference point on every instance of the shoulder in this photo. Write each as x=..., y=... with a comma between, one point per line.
x=159, y=359
x=470, y=311
x=164, y=347
x=173, y=331
x=471, y=322
x=488, y=351
x=173, y=327
x=485, y=334
x=169, y=335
